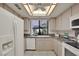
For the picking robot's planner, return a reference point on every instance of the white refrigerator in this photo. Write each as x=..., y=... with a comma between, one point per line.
x=11, y=34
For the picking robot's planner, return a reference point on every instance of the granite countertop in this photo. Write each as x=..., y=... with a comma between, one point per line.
x=61, y=39
x=37, y=36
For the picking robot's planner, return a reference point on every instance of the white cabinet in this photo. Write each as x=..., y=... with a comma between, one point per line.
x=44, y=44
x=51, y=26
x=60, y=48
x=62, y=21
x=55, y=46
x=27, y=26
x=58, y=23
x=66, y=20
x=30, y=43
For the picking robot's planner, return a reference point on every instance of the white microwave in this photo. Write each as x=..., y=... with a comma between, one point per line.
x=74, y=22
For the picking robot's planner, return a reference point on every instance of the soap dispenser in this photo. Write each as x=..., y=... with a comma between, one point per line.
x=66, y=35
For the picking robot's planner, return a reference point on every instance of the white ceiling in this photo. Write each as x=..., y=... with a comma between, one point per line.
x=60, y=8
x=21, y=12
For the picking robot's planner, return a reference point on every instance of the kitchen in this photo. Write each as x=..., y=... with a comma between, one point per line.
x=39, y=29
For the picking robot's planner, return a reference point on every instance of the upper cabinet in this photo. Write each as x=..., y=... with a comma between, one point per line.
x=27, y=26
x=63, y=21
x=58, y=23
x=66, y=20
x=51, y=26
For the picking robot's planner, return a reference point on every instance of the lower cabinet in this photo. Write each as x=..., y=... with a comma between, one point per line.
x=44, y=44
x=30, y=43
x=58, y=47
x=55, y=46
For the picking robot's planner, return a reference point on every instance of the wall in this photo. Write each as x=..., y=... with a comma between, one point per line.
x=63, y=21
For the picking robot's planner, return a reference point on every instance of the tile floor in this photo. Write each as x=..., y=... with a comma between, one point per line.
x=40, y=53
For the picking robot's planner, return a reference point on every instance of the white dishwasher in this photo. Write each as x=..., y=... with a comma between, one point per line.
x=30, y=43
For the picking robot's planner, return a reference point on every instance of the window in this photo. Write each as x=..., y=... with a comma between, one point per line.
x=39, y=27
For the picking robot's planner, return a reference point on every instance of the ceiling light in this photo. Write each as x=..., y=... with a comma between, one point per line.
x=36, y=10
x=39, y=12
x=51, y=9
x=27, y=8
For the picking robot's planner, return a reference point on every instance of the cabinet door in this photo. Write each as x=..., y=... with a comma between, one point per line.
x=27, y=26
x=55, y=46
x=44, y=44
x=59, y=23
x=30, y=43
x=66, y=20
x=60, y=48
x=51, y=25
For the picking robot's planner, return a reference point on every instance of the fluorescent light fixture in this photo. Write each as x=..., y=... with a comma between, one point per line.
x=27, y=8
x=51, y=9
x=31, y=7
x=39, y=12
